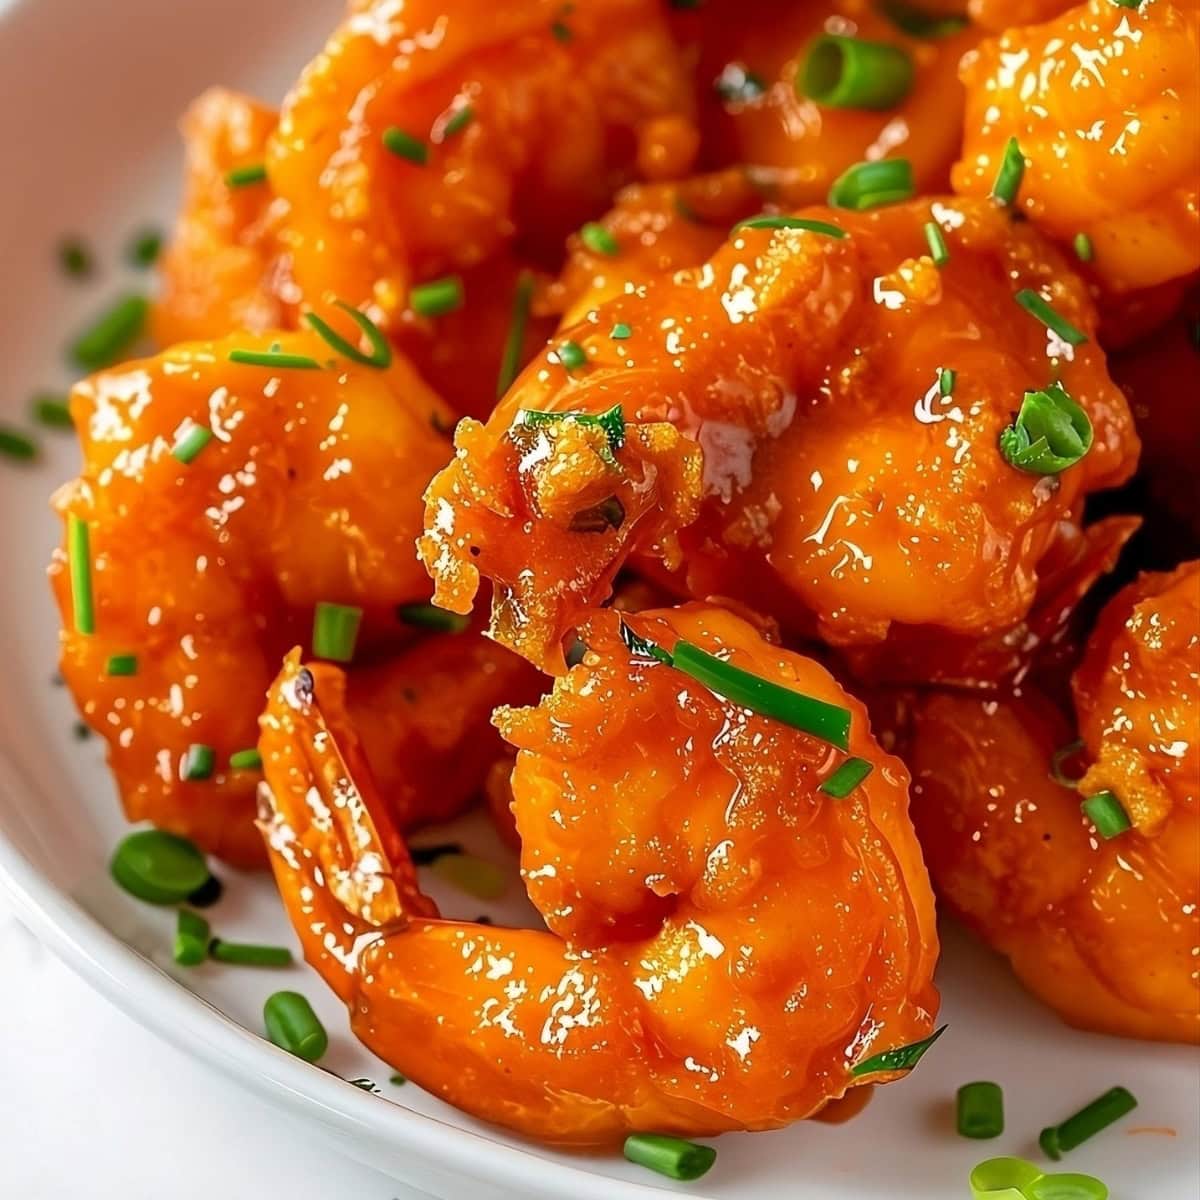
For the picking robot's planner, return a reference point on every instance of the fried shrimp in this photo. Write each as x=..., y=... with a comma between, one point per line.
x=1104, y=104
x=1103, y=930
x=826, y=402
x=223, y=501
x=725, y=940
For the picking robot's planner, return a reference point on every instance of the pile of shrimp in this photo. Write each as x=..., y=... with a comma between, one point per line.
x=546, y=341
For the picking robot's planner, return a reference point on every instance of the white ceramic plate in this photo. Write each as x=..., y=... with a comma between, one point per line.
x=90, y=96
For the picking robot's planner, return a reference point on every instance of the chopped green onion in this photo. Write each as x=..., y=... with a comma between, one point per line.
x=1012, y=171
x=1083, y=247
x=737, y=85
x=397, y=1080
x=670, y=1156
x=946, y=379
x=429, y=616
x=620, y=331
x=241, y=954
x=246, y=760
x=191, y=441
x=75, y=258
x=459, y=120
x=483, y=880
x=1107, y=813
x=79, y=562
x=902, y=1058
x=938, y=250
x=437, y=297
x=293, y=1026
x=612, y=421
x=158, y=867
x=192, y=935
x=572, y=355
x=599, y=240
x=1033, y=304
x=561, y=31
x=198, y=762
x=423, y=856
x=850, y=72
x=121, y=664
x=273, y=359
x=51, y=410
x=510, y=360
x=381, y=351
x=404, y=145
x=111, y=334
x=643, y=647
x=207, y=894
x=1056, y=1140
x=1128, y=3
x=1016, y=1179
x=15, y=444
x=145, y=248
x=980, y=1110
x=335, y=630
x=846, y=778
x=873, y=184
x=767, y=221
x=247, y=176
x=911, y=19
x=1051, y=433
x=1059, y=757
x=599, y=518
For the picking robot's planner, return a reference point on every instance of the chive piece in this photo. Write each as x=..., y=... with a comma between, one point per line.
x=246, y=760
x=111, y=334
x=144, y=248
x=207, y=894
x=575, y=652
x=483, y=880
x=247, y=176
x=273, y=358
x=620, y=331
x=397, y=1080
x=938, y=250
x=429, y=616
x=1059, y=757
x=642, y=647
x=1107, y=814
x=192, y=935
x=767, y=221
x=458, y=121
x=158, y=867
x=1006, y=1179
x=873, y=184
x=1050, y=433
x=198, y=763
x=75, y=258
x=335, y=630
x=121, y=664
x=572, y=355
x=599, y=518
x=1056, y=1140
x=1033, y=304
x=51, y=410
x=1128, y=3
x=437, y=297
x=514, y=343
x=670, y=1156
x=612, y=421
x=1083, y=247
x=902, y=1058
x=293, y=1026
x=381, y=350
x=917, y=23
x=424, y=856
x=737, y=85
x=846, y=778
x=850, y=72
x=79, y=562
x=1008, y=178
x=242, y=954
x=14, y=444
x=190, y=442
x=404, y=145
x=980, y=1110
x=946, y=378
x=599, y=240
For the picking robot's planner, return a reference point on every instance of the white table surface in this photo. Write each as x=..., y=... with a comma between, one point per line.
x=93, y=1107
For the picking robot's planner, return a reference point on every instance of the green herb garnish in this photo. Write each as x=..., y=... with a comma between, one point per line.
x=381, y=351
x=850, y=72
x=247, y=176
x=437, y=297
x=335, y=631
x=902, y=1058
x=1056, y=1140
x=404, y=145
x=1050, y=433
x=111, y=334
x=869, y=185
x=670, y=1156
x=846, y=778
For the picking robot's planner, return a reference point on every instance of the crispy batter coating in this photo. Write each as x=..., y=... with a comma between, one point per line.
x=724, y=940
x=209, y=571
x=841, y=491
x=1104, y=102
x=1103, y=931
